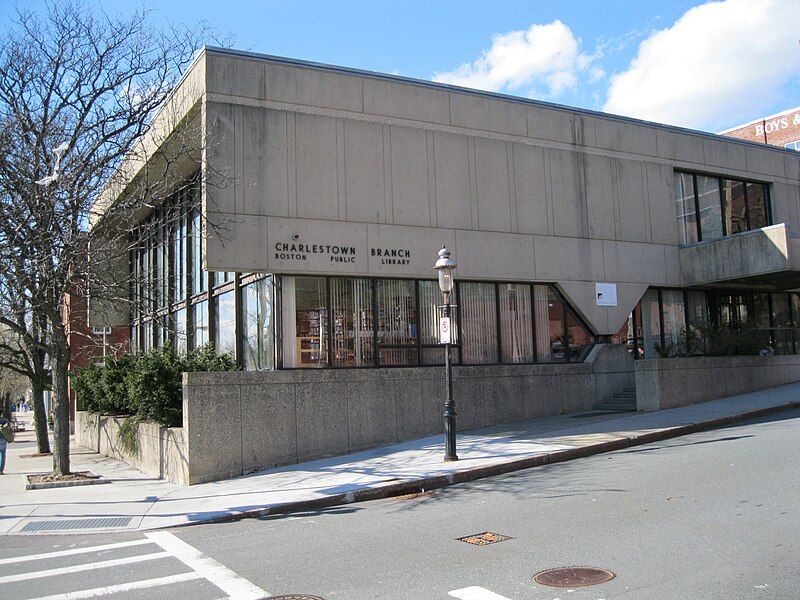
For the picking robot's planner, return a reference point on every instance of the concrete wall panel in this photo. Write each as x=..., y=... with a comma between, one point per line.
x=494, y=202
x=533, y=209
x=265, y=183
x=410, y=191
x=234, y=76
x=313, y=87
x=364, y=176
x=483, y=255
x=566, y=193
x=601, y=206
x=317, y=167
x=477, y=112
x=405, y=101
x=452, y=179
x=765, y=162
x=687, y=148
x=551, y=124
x=559, y=258
x=661, y=198
x=633, y=202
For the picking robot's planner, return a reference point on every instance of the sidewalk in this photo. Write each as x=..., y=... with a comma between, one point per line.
x=135, y=501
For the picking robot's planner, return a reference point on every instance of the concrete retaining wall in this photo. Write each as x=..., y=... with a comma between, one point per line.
x=671, y=382
x=245, y=421
x=161, y=451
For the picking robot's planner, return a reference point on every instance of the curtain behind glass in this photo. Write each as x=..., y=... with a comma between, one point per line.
x=674, y=315
x=515, y=323
x=651, y=323
x=478, y=322
x=430, y=302
x=397, y=321
x=351, y=306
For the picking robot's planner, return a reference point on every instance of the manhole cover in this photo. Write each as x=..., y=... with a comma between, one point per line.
x=482, y=539
x=295, y=597
x=573, y=576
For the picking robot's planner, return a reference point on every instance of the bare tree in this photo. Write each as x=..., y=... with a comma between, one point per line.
x=89, y=85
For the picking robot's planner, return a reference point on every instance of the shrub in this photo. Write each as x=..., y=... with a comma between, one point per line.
x=87, y=384
x=705, y=339
x=144, y=386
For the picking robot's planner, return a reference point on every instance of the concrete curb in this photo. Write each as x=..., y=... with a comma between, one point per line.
x=439, y=481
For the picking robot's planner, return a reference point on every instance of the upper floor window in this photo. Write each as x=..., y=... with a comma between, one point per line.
x=710, y=207
x=793, y=145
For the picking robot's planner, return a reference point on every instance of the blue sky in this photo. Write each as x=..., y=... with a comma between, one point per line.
x=708, y=66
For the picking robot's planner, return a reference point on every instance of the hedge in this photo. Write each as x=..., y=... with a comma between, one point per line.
x=147, y=386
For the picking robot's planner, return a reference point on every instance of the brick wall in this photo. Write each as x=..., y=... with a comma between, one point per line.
x=777, y=130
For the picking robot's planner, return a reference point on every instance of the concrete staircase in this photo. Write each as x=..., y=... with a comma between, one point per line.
x=624, y=401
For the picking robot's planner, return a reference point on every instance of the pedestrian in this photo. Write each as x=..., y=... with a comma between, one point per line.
x=6, y=435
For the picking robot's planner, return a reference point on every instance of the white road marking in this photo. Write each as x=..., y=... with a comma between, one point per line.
x=475, y=593
x=124, y=587
x=221, y=576
x=87, y=567
x=18, y=559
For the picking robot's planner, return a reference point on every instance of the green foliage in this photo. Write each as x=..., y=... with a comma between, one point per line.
x=705, y=339
x=145, y=386
x=87, y=384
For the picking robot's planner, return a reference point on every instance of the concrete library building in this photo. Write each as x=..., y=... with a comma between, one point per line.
x=304, y=237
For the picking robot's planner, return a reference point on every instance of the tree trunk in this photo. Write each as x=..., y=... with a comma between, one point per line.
x=60, y=365
x=6, y=408
x=40, y=417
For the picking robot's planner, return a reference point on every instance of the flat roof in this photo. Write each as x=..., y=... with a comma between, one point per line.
x=495, y=95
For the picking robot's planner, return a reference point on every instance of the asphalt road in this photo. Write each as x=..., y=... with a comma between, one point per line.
x=710, y=515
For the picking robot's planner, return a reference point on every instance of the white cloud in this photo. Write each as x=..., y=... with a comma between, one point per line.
x=720, y=62
x=546, y=56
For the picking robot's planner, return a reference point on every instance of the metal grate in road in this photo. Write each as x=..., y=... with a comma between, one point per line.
x=485, y=538
x=68, y=524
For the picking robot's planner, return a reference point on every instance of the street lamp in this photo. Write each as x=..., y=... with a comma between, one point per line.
x=445, y=267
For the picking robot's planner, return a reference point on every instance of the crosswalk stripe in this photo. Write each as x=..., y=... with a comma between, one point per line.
x=476, y=593
x=87, y=567
x=56, y=554
x=123, y=587
x=221, y=576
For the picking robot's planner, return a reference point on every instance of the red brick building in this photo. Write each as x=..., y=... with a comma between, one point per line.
x=777, y=130
x=87, y=343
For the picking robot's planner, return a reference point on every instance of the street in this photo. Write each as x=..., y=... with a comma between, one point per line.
x=710, y=515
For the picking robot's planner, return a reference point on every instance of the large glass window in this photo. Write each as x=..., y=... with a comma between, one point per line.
x=709, y=207
x=735, y=207
x=351, y=311
x=225, y=323
x=674, y=315
x=651, y=323
x=181, y=331
x=782, y=321
x=708, y=198
x=258, y=326
x=516, y=323
x=201, y=332
x=757, y=209
x=198, y=275
x=687, y=210
x=397, y=322
x=305, y=322
x=478, y=310
x=179, y=257
x=430, y=311
x=549, y=314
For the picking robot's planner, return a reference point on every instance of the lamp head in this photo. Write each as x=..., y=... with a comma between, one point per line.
x=445, y=266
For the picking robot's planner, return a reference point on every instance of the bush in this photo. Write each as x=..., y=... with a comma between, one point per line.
x=704, y=339
x=87, y=384
x=145, y=386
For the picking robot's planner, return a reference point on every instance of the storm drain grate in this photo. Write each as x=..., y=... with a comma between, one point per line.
x=66, y=524
x=295, y=597
x=485, y=538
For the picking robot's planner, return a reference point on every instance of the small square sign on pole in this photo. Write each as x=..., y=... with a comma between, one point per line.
x=445, y=335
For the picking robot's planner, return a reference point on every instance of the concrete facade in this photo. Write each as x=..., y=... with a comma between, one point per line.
x=316, y=155
x=673, y=382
